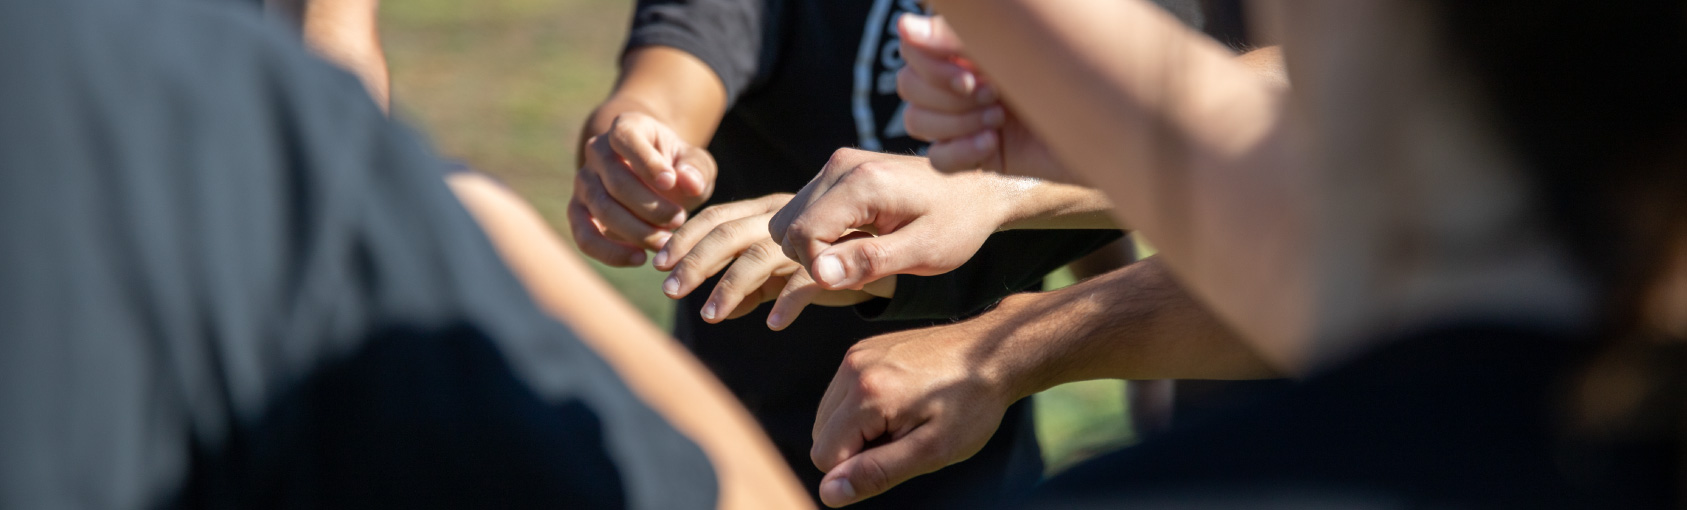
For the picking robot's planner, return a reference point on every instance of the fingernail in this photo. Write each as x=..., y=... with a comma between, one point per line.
x=661, y=261
x=692, y=174
x=670, y=287
x=665, y=179
x=637, y=259
x=775, y=320
x=709, y=311
x=985, y=94
x=916, y=27
x=965, y=84
x=829, y=269
x=984, y=141
x=995, y=116
x=842, y=489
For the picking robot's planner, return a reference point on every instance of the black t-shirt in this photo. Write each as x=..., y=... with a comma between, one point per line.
x=805, y=78
x=227, y=281
x=1464, y=416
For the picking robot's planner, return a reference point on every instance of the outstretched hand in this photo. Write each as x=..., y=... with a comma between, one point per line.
x=926, y=222
x=733, y=237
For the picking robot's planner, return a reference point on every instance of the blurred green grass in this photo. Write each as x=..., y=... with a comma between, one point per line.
x=504, y=86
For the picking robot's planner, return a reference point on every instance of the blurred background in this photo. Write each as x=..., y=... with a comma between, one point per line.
x=504, y=85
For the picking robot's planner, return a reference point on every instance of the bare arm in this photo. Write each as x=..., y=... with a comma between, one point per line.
x=939, y=393
x=642, y=157
x=751, y=473
x=345, y=32
x=669, y=85
x=1130, y=90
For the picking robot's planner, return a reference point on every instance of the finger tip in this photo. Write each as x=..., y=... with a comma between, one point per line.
x=666, y=179
x=670, y=287
x=837, y=492
x=636, y=259
x=914, y=27
x=829, y=271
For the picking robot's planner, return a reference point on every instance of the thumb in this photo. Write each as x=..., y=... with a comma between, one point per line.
x=696, y=173
x=878, y=469
x=930, y=34
x=851, y=263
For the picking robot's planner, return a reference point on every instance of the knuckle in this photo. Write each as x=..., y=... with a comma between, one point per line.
x=874, y=384
x=841, y=159
x=759, y=252
x=729, y=230
x=874, y=257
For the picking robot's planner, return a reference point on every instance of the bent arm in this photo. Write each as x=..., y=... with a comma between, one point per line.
x=1133, y=323
x=668, y=84
x=346, y=33
x=1188, y=143
x=752, y=474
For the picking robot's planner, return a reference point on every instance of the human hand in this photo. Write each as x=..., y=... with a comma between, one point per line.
x=927, y=222
x=952, y=105
x=638, y=180
x=736, y=234
x=920, y=397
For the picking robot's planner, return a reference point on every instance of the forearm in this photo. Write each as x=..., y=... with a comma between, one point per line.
x=1133, y=323
x=346, y=33
x=1187, y=142
x=659, y=370
x=669, y=85
x=1038, y=204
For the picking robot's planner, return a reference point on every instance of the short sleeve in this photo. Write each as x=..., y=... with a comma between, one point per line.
x=727, y=35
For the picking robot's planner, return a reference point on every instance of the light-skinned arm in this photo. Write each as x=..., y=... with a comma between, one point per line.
x=751, y=473
x=1190, y=146
x=939, y=393
x=927, y=222
x=346, y=33
x=642, y=156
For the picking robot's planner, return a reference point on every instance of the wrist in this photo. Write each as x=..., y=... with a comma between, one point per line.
x=1017, y=367
x=1000, y=198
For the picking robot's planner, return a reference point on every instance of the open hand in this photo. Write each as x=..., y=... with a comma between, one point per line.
x=733, y=236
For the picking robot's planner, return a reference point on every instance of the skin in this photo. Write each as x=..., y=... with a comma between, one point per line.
x=642, y=162
x=927, y=222
x=735, y=234
x=346, y=33
x=752, y=475
x=1238, y=231
x=934, y=396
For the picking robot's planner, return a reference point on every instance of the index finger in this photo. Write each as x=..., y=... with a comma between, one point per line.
x=822, y=223
x=647, y=162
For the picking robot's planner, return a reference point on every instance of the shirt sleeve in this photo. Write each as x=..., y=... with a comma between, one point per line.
x=1008, y=263
x=730, y=36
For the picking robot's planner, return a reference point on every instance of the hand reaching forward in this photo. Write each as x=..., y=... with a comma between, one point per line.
x=952, y=105
x=927, y=222
x=735, y=234
x=919, y=396
x=637, y=182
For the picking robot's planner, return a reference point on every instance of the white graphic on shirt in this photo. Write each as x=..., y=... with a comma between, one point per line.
x=876, y=64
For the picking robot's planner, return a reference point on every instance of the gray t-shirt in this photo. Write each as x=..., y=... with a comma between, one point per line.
x=226, y=280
